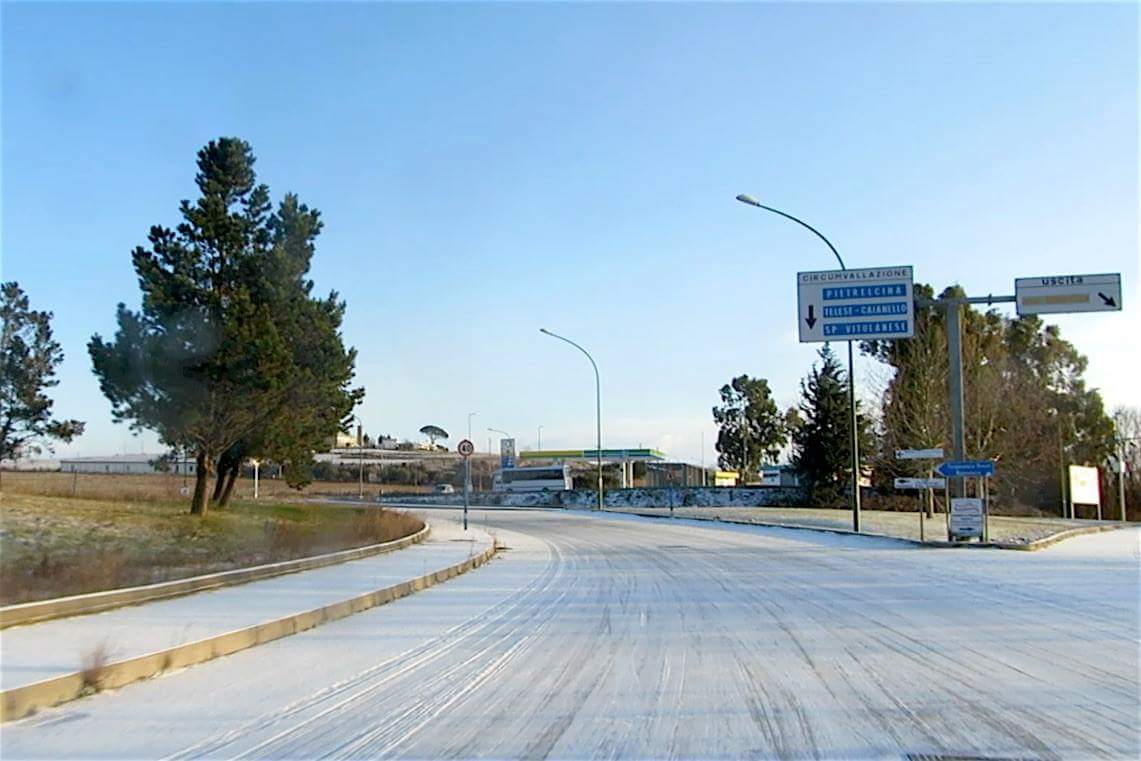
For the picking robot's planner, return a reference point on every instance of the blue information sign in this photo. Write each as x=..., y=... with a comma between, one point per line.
x=855, y=305
x=965, y=468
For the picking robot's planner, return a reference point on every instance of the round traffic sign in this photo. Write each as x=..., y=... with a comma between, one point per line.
x=466, y=448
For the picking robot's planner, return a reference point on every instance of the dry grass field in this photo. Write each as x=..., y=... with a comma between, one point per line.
x=121, y=531
x=168, y=486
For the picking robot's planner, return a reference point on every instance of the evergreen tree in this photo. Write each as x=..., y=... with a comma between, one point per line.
x=212, y=358
x=27, y=370
x=821, y=449
x=752, y=430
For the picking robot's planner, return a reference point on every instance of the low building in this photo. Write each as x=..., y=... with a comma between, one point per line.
x=123, y=464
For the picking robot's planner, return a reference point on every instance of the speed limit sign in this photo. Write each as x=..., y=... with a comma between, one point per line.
x=466, y=448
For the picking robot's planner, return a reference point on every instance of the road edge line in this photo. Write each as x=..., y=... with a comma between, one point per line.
x=97, y=602
x=20, y=702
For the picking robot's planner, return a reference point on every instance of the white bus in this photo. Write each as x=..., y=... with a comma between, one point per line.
x=551, y=478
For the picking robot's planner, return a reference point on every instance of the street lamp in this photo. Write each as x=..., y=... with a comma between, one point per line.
x=360, y=458
x=470, y=415
x=539, y=442
x=855, y=440
x=597, y=405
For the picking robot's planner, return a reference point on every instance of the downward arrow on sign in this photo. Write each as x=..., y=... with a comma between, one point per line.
x=811, y=319
x=1107, y=300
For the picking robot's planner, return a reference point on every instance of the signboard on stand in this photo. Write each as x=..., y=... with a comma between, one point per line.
x=1085, y=487
x=966, y=518
x=506, y=453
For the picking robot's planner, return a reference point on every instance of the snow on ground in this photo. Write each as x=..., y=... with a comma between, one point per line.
x=639, y=638
x=52, y=648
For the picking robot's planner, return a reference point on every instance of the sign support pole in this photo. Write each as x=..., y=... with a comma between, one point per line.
x=955, y=365
x=467, y=487
x=855, y=442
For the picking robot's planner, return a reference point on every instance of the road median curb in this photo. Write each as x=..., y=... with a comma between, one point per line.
x=18, y=702
x=95, y=602
x=1037, y=544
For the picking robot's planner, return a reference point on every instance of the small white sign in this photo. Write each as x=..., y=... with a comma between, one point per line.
x=855, y=305
x=1085, y=487
x=966, y=517
x=919, y=454
x=466, y=448
x=1055, y=294
x=920, y=483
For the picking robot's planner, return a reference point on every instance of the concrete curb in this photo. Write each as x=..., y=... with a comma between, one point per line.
x=18, y=702
x=1037, y=544
x=75, y=605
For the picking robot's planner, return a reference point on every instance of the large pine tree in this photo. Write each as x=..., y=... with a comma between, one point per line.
x=751, y=429
x=228, y=346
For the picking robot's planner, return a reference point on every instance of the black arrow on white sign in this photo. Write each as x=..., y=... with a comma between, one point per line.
x=811, y=319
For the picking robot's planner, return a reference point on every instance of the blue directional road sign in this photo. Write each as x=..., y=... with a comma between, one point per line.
x=965, y=468
x=855, y=305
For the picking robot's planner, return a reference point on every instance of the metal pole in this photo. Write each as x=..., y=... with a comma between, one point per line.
x=855, y=442
x=539, y=440
x=360, y=459
x=703, y=458
x=955, y=381
x=922, y=530
x=1121, y=480
x=1062, y=467
x=467, y=486
x=255, y=479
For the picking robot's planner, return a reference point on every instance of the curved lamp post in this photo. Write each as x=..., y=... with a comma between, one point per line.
x=855, y=436
x=597, y=406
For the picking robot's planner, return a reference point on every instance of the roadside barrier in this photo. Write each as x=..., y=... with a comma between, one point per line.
x=19, y=702
x=77, y=605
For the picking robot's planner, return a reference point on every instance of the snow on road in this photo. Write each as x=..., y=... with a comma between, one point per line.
x=618, y=637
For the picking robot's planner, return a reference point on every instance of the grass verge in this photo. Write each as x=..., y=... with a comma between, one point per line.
x=54, y=546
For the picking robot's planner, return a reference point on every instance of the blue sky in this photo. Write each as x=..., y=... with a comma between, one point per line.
x=484, y=170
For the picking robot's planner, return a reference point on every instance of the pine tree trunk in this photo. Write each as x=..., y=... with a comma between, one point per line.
x=220, y=481
x=201, y=477
x=231, y=476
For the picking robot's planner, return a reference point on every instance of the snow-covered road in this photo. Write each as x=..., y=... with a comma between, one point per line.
x=623, y=637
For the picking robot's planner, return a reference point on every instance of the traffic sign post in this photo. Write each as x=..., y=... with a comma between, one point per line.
x=935, y=453
x=927, y=484
x=920, y=483
x=855, y=305
x=1060, y=294
x=466, y=449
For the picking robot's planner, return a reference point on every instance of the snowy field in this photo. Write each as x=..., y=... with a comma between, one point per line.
x=622, y=637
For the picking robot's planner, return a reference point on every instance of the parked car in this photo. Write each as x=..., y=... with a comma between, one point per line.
x=445, y=489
